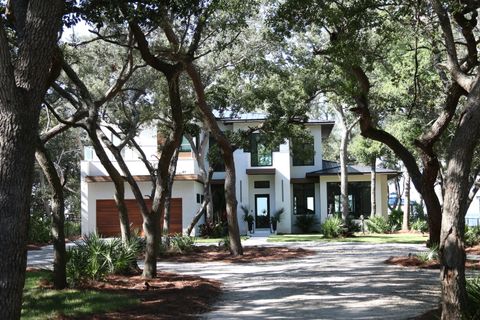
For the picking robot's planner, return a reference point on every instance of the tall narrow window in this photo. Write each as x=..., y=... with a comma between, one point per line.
x=303, y=151
x=185, y=146
x=261, y=155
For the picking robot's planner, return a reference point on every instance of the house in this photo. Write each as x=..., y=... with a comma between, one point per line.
x=266, y=181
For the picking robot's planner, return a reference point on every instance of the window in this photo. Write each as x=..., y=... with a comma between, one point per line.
x=304, y=198
x=185, y=146
x=261, y=184
x=358, y=198
x=303, y=152
x=261, y=155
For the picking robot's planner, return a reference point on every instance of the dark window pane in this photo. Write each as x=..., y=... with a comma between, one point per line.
x=261, y=184
x=358, y=198
x=261, y=155
x=303, y=152
x=304, y=198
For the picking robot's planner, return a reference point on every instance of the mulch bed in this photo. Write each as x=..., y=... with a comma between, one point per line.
x=168, y=296
x=250, y=254
x=414, y=261
x=473, y=250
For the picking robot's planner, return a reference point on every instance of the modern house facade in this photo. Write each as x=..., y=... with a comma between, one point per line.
x=266, y=181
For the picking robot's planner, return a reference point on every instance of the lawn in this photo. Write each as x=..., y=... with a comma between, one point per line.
x=44, y=303
x=411, y=238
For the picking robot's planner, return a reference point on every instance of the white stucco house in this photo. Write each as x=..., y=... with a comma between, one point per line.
x=266, y=180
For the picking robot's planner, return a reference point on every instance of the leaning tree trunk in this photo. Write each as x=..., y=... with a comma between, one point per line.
x=58, y=217
x=406, y=209
x=116, y=177
x=227, y=153
x=23, y=82
x=457, y=187
x=373, y=188
x=344, y=177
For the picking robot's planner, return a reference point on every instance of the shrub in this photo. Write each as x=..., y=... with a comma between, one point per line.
x=39, y=229
x=420, y=225
x=213, y=230
x=395, y=219
x=472, y=235
x=473, y=299
x=378, y=224
x=94, y=258
x=332, y=227
x=181, y=244
x=225, y=243
x=72, y=229
x=306, y=222
x=430, y=255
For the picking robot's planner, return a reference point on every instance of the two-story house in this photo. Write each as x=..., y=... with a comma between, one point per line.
x=266, y=180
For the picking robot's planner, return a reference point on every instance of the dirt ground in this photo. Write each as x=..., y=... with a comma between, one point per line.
x=413, y=261
x=169, y=296
x=250, y=254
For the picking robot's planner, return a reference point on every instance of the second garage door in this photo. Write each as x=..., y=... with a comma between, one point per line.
x=108, y=224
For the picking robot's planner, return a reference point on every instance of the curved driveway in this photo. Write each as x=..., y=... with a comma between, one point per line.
x=341, y=281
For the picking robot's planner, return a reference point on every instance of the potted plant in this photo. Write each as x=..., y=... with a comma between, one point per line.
x=248, y=218
x=275, y=219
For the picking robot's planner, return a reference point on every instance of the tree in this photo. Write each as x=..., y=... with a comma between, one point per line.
x=24, y=77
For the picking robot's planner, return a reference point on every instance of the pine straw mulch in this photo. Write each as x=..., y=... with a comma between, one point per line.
x=414, y=261
x=250, y=254
x=168, y=296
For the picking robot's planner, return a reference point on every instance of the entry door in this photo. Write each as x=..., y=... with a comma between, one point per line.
x=262, y=211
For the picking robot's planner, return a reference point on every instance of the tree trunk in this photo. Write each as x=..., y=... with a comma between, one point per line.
x=117, y=179
x=171, y=176
x=373, y=187
x=58, y=217
x=406, y=208
x=227, y=153
x=23, y=82
x=344, y=176
x=457, y=187
x=206, y=201
x=151, y=228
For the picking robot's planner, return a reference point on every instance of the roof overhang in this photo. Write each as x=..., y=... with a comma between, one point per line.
x=260, y=171
x=145, y=178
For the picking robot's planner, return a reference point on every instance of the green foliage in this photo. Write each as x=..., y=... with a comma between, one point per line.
x=366, y=151
x=72, y=229
x=276, y=217
x=473, y=299
x=419, y=225
x=430, y=255
x=332, y=227
x=212, y=230
x=182, y=244
x=378, y=224
x=472, y=235
x=395, y=219
x=94, y=258
x=247, y=217
x=39, y=229
x=225, y=243
x=306, y=222
x=44, y=303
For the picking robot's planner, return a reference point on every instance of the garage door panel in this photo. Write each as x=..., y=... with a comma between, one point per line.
x=108, y=224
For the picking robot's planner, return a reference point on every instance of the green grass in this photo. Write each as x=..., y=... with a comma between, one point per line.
x=367, y=238
x=41, y=303
x=215, y=240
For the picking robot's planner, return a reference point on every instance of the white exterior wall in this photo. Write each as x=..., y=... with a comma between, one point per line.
x=282, y=162
x=300, y=171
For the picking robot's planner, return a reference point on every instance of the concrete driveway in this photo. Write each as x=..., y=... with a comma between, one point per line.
x=341, y=281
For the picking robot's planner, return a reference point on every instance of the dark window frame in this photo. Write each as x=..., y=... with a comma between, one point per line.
x=301, y=192
x=255, y=141
x=298, y=146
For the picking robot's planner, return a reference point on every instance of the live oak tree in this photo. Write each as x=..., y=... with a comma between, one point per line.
x=356, y=33
x=24, y=77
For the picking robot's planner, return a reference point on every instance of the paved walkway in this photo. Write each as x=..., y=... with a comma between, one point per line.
x=341, y=281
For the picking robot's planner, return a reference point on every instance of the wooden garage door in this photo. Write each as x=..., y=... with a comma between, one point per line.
x=108, y=224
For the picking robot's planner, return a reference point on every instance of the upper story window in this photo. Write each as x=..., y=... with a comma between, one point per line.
x=261, y=155
x=303, y=152
x=185, y=146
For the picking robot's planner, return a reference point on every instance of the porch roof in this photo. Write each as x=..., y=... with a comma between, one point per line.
x=331, y=168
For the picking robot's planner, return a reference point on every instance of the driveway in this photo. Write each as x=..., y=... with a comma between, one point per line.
x=341, y=281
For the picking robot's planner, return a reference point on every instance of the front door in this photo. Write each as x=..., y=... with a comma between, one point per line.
x=262, y=211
